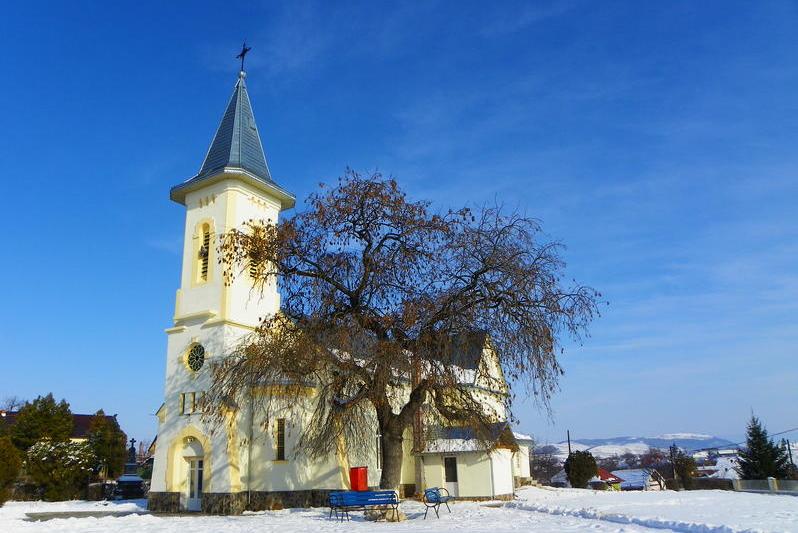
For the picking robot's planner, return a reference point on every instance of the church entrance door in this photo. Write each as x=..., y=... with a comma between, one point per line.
x=194, y=502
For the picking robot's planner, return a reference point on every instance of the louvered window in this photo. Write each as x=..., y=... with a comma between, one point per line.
x=204, y=253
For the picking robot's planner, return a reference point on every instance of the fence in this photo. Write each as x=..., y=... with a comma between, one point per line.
x=780, y=486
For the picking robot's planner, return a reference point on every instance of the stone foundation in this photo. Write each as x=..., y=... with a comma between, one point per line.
x=163, y=502
x=407, y=490
x=224, y=502
x=264, y=501
x=500, y=497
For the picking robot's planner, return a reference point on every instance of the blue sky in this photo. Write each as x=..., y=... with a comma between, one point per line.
x=657, y=140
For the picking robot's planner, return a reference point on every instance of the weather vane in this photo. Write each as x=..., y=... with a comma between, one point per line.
x=243, y=53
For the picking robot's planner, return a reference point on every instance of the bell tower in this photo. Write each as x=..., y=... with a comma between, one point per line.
x=233, y=185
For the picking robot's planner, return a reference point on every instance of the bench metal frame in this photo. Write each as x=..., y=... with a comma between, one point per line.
x=341, y=502
x=434, y=497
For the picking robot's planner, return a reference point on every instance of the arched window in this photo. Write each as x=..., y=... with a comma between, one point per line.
x=204, y=253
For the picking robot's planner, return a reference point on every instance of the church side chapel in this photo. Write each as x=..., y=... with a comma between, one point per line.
x=251, y=461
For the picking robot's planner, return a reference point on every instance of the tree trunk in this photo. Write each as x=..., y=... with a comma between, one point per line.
x=392, y=453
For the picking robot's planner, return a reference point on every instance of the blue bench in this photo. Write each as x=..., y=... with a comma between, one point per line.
x=434, y=497
x=344, y=501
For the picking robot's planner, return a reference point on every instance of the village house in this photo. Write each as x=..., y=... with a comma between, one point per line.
x=602, y=480
x=253, y=461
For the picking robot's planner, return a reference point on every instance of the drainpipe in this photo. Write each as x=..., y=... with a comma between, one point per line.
x=492, y=485
x=249, y=451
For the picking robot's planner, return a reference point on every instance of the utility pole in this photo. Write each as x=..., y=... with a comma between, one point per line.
x=673, y=460
x=789, y=451
x=568, y=432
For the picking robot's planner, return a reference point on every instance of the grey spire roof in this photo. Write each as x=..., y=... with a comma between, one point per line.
x=237, y=143
x=236, y=147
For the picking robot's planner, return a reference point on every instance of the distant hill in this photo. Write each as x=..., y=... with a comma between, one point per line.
x=639, y=445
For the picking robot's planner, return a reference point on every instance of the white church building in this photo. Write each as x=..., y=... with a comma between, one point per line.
x=249, y=463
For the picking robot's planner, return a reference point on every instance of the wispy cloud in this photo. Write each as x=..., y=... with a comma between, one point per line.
x=171, y=245
x=523, y=15
x=291, y=40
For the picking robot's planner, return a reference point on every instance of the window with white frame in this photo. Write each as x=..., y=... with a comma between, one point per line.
x=191, y=402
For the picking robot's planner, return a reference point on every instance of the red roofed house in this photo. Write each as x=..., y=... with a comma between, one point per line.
x=613, y=482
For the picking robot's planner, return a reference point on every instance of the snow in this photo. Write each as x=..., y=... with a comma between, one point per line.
x=613, y=450
x=726, y=468
x=535, y=510
x=700, y=511
x=633, y=478
x=465, y=516
x=522, y=436
x=454, y=445
x=681, y=436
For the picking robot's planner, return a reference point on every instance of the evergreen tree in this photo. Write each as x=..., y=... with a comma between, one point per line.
x=107, y=441
x=10, y=463
x=42, y=418
x=762, y=458
x=683, y=466
x=580, y=467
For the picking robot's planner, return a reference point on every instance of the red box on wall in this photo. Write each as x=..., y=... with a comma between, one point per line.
x=359, y=478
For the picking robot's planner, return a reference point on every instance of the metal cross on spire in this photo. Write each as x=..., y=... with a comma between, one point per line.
x=243, y=53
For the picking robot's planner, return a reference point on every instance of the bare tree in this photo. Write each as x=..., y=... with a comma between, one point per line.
x=609, y=463
x=143, y=450
x=11, y=403
x=544, y=463
x=381, y=298
x=630, y=460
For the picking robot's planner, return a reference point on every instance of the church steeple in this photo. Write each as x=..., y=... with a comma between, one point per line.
x=237, y=143
x=236, y=148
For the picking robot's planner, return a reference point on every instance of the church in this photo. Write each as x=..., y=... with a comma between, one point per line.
x=252, y=462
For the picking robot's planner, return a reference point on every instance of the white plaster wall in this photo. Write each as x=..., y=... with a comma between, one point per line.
x=501, y=460
x=474, y=476
x=433, y=470
x=298, y=471
x=246, y=305
x=521, y=462
x=408, y=473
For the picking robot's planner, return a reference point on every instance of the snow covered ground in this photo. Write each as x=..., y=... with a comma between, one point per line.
x=534, y=510
x=689, y=511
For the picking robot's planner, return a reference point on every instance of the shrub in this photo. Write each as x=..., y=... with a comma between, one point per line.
x=673, y=484
x=10, y=462
x=60, y=468
x=580, y=467
x=709, y=483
